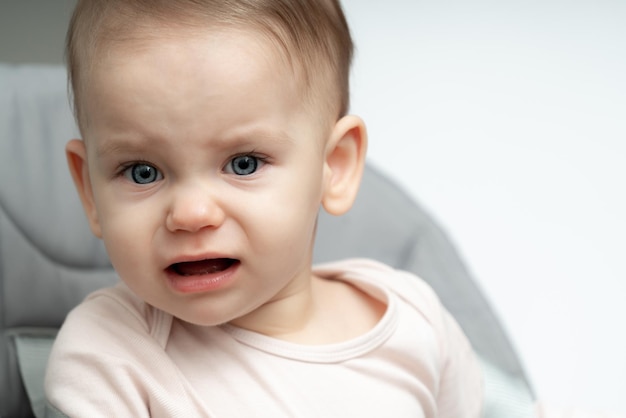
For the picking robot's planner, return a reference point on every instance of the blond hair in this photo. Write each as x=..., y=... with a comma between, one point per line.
x=312, y=34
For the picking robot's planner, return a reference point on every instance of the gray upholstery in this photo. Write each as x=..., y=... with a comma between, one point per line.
x=49, y=260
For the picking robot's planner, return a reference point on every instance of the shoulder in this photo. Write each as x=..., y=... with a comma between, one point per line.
x=417, y=299
x=460, y=378
x=408, y=287
x=108, y=320
x=114, y=311
x=107, y=344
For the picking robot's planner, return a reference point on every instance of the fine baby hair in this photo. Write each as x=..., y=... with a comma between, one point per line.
x=313, y=36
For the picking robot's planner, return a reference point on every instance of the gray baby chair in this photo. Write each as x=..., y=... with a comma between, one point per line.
x=49, y=260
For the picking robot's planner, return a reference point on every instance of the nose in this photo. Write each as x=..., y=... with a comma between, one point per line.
x=193, y=209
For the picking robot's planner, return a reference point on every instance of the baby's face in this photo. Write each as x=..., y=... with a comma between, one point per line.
x=206, y=171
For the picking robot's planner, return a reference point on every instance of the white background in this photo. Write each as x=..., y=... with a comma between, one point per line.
x=507, y=120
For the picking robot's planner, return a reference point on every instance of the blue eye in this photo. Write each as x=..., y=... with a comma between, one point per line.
x=142, y=173
x=244, y=165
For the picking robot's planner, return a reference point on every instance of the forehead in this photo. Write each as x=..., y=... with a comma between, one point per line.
x=249, y=46
x=213, y=47
x=183, y=58
x=314, y=81
x=171, y=86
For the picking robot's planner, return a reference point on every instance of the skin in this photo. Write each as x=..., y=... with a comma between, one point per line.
x=175, y=112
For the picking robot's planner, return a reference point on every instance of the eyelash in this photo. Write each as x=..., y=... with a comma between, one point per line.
x=123, y=170
x=123, y=167
x=262, y=160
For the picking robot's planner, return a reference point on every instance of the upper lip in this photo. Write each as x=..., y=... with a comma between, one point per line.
x=198, y=257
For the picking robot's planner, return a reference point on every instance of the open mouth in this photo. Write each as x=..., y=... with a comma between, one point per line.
x=202, y=267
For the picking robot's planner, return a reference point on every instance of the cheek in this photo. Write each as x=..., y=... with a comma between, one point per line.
x=127, y=228
x=286, y=218
x=125, y=242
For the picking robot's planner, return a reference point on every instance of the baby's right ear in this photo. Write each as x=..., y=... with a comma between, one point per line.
x=76, y=154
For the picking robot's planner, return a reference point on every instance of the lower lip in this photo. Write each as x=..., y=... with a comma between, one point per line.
x=202, y=283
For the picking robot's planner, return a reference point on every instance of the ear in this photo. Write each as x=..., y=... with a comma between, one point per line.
x=76, y=154
x=345, y=160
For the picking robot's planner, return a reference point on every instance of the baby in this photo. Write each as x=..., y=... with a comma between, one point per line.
x=213, y=131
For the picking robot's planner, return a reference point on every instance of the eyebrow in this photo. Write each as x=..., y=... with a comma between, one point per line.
x=116, y=146
x=138, y=144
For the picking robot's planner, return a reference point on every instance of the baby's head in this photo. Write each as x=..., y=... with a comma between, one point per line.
x=312, y=36
x=212, y=133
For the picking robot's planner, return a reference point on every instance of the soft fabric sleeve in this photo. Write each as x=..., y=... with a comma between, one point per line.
x=107, y=362
x=89, y=371
x=461, y=388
